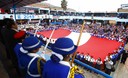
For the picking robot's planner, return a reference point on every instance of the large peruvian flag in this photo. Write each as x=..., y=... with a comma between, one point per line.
x=96, y=47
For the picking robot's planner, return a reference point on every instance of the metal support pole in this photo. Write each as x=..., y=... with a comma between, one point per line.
x=14, y=7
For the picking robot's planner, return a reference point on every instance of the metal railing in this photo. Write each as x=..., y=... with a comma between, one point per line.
x=93, y=69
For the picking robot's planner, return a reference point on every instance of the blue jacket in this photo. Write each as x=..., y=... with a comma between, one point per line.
x=28, y=61
x=18, y=54
x=57, y=70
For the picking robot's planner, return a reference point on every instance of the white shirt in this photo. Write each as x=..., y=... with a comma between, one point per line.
x=99, y=62
x=86, y=57
x=89, y=58
x=109, y=64
x=92, y=60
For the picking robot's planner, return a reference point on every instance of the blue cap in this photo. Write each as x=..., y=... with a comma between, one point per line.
x=64, y=46
x=31, y=43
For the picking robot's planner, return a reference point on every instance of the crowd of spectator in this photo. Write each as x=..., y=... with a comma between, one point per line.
x=100, y=14
x=111, y=32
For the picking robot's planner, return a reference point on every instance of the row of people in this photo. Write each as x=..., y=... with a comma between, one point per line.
x=110, y=32
x=87, y=59
x=57, y=67
x=13, y=25
x=29, y=61
x=108, y=63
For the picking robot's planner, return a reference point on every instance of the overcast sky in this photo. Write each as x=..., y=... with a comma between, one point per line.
x=91, y=5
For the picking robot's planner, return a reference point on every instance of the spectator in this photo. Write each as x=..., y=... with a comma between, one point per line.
x=19, y=36
x=87, y=58
x=31, y=61
x=108, y=65
x=124, y=56
x=82, y=57
x=78, y=56
x=8, y=32
x=58, y=66
x=98, y=63
x=92, y=61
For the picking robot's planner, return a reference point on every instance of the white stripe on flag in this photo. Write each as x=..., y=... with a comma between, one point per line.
x=84, y=38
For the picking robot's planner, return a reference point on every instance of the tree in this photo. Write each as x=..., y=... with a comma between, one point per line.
x=64, y=4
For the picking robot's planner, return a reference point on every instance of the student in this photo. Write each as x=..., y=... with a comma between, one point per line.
x=108, y=65
x=92, y=61
x=98, y=63
x=19, y=36
x=31, y=61
x=78, y=56
x=59, y=66
x=87, y=58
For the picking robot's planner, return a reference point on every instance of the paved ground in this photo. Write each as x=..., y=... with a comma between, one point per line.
x=121, y=72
